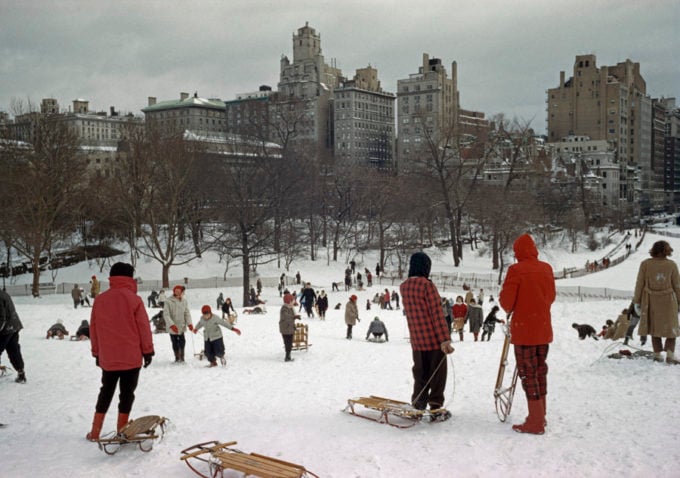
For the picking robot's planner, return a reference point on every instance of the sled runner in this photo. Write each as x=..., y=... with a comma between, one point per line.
x=4, y=370
x=222, y=457
x=395, y=413
x=141, y=432
x=503, y=395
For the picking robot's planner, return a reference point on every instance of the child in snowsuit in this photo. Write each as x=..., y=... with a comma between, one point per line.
x=475, y=316
x=83, y=331
x=490, y=323
x=287, y=318
x=377, y=328
x=158, y=323
x=57, y=330
x=214, y=345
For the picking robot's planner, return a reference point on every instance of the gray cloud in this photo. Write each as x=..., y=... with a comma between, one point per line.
x=508, y=52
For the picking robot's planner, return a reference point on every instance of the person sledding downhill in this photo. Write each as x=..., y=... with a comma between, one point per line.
x=429, y=333
x=527, y=293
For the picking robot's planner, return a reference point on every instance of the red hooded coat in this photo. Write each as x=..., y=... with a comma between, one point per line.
x=528, y=292
x=119, y=327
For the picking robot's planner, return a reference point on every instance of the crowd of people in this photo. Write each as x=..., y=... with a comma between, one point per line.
x=120, y=333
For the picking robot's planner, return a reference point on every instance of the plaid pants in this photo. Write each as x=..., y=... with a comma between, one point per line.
x=532, y=369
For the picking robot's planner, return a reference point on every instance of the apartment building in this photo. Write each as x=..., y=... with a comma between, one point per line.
x=308, y=82
x=200, y=115
x=608, y=103
x=98, y=132
x=364, y=121
x=428, y=102
x=591, y=161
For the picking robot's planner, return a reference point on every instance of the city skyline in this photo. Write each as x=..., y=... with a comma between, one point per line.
x=508, y=53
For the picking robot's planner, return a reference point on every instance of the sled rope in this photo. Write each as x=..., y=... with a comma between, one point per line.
x=614, y=346
x=430, y=379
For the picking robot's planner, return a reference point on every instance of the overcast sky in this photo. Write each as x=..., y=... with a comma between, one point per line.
x=509, y=52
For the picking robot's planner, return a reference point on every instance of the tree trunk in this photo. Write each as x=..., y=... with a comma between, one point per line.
x=312, y=238
x=165, y=275
x=35, y=269
x=495, y=259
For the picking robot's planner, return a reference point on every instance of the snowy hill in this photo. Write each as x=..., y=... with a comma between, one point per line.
x=605, y=417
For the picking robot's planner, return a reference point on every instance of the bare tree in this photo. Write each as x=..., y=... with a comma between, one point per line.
x=43, y=187
x=450, y=162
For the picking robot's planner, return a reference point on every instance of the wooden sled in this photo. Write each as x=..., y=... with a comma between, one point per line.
x=504, y=394
x=395, y=413
x=301, y=337
x=141, y=432
x=220, y=457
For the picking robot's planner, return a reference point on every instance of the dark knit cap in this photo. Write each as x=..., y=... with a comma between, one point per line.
x=122, y=269
x=419, y=265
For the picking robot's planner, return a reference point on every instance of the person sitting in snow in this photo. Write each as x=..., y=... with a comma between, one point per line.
x=585, y=330
x=377, y=328
x=213, y=346
x=57, y=331
x=158, y=323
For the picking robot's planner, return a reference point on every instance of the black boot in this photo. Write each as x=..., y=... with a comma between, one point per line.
x=176, y=356
x=288, y=357
x=21, y=378
x=181, y=355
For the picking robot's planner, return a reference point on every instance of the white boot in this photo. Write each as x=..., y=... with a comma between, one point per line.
x=670, y=358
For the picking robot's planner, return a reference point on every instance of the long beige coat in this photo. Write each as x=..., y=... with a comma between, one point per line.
x=657, y=290
x=351, y=313
x=176, y=312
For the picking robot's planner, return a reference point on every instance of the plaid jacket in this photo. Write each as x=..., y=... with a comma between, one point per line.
x=423, y=307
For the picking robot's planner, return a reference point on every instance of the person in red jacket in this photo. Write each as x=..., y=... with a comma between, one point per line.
x=527, y=293
x=121, y=341
x=429, y=333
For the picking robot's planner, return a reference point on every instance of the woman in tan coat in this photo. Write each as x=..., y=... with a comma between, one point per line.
x=351, y=315
x=657, y=296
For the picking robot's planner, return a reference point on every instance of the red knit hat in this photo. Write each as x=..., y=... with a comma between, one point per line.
x=206, y=309
x=353, y=297
x=180, y=287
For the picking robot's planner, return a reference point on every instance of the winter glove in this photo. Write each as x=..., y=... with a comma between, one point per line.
x=191, y=327
x=195, y=331
x=236, y=331
x=147, y=359
x=637, y=309
x=174, y=329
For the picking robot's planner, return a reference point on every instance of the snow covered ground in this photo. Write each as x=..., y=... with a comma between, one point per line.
x=605, y=417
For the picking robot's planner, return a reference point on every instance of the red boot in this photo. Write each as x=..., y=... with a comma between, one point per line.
x=535, y=420
x=97, y=424
x=545, y=412
x=123, y=419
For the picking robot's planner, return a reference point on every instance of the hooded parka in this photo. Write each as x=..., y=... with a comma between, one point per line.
x=528, y=292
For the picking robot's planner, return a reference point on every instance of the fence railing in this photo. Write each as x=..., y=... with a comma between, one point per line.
x=447, y=284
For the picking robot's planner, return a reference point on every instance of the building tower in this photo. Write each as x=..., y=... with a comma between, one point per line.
x=427, y=99
x=364, y=121
x=310, y=80
x=608, y=103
